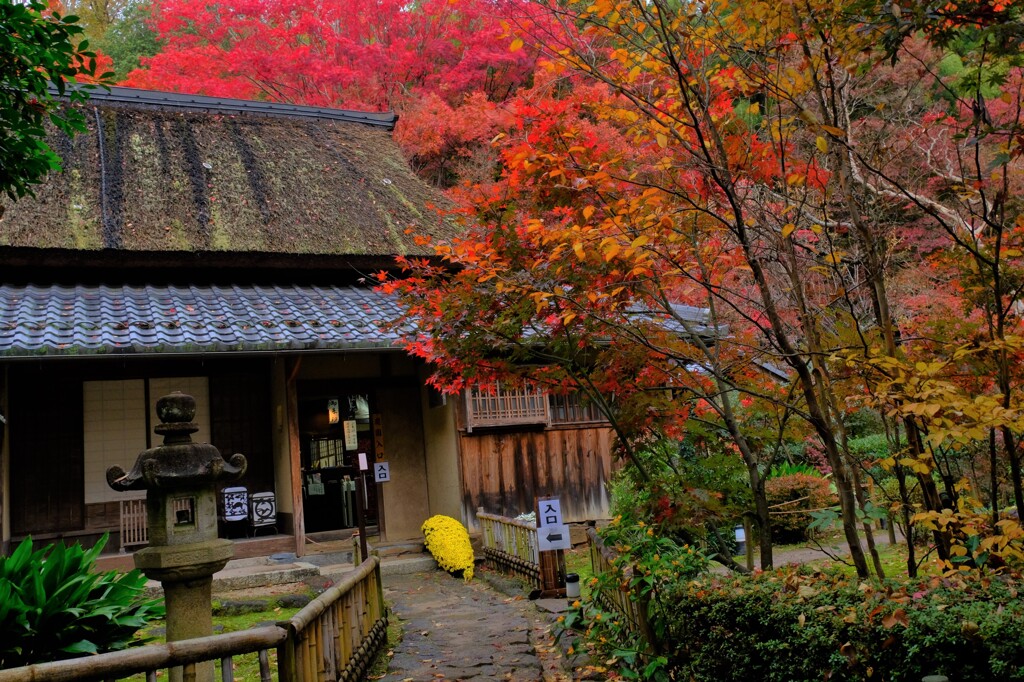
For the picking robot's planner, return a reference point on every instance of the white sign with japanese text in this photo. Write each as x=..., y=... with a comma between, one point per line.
x=549, y=512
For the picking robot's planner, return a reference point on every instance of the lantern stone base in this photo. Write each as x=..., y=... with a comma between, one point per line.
x=176, y=563
x=186, y=573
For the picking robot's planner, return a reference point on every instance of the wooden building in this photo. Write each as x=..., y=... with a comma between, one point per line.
x=222, y=248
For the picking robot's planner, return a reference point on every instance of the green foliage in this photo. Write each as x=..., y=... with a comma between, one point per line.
x=791, y=626
x=36, y=48
x=53, y=606
x=790, y=495
x=863, y=422
x=873, y=446
x=686, y=490
x=791, y=469
x=647, y=565
x=130, y=38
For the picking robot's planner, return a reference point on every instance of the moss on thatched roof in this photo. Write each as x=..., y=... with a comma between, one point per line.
x=151, y=178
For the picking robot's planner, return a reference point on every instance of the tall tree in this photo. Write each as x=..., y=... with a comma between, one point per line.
x=741, y=157
x=423, y=59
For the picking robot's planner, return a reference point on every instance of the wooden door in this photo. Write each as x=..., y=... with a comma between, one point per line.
x=240, y=421
x=47, y=454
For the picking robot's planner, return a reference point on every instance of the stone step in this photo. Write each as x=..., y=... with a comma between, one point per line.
x=284, y=568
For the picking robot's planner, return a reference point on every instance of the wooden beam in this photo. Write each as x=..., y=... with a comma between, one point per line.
x=295, y=455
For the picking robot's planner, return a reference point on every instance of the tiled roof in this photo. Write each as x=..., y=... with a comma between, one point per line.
x=54, y=320
x=178, y=101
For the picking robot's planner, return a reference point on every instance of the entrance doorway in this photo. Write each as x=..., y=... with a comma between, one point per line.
x=336, y=431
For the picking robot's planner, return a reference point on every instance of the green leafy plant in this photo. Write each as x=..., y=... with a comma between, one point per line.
x=37, y=47
x=54, y=606
x=789, y=469
x=646, y=564
x=448, y=541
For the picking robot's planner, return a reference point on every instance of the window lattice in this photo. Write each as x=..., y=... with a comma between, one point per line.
x=571, y=409
x=500, y=406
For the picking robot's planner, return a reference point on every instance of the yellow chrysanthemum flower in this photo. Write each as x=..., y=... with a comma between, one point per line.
x=448, y=541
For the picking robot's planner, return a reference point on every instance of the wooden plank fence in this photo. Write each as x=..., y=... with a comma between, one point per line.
x=334, y=637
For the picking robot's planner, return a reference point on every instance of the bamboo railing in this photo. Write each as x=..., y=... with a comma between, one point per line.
x=510, y=545
x=148, y=660
x=334, y=637
x=630, y=607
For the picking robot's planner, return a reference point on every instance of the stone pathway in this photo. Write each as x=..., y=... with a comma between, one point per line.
x=467, y=631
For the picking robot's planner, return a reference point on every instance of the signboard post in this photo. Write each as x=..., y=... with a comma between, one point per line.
x=360, y=507
x=552, y=541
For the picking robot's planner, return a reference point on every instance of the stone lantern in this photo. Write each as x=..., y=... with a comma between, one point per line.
x=180, y=479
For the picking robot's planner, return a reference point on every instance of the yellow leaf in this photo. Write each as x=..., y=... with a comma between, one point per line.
x=587, y=212
x=832, y=130
x=821, y=144
x=787, y=229
x=834, y=257
x=578, y=248
x=662, y=140
x=516, y=45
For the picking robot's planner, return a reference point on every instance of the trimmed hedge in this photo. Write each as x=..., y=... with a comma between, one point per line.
x=794, y=626
x=790, y=526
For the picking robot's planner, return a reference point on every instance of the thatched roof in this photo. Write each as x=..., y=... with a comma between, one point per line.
x=160, y=173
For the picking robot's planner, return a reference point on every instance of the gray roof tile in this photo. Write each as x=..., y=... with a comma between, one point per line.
x=100, y=319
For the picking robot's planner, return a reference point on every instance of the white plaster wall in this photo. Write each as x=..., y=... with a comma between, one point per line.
x=444, y=482
x=115, y=426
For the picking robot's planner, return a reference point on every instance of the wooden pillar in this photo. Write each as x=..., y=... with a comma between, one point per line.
x=4, y=459
x=295, y=455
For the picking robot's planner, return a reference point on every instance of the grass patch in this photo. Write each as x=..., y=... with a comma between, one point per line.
x=247, y=666
x=893, y=559
x=395, y=633
x=577, y=560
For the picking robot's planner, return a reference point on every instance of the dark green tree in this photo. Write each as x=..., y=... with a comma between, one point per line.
x=129, y=38
x=39, y=50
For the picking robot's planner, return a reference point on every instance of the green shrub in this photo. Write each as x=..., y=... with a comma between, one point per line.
x=803, y=492
x=53, y=606
x=871, y=447
x=793, y=626
x=647, y=563
x=789, y=468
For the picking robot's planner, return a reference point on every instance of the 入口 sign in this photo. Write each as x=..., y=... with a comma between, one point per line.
x=381, y=472
x=549, y=512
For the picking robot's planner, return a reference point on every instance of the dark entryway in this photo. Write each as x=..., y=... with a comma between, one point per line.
x=336, y=425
